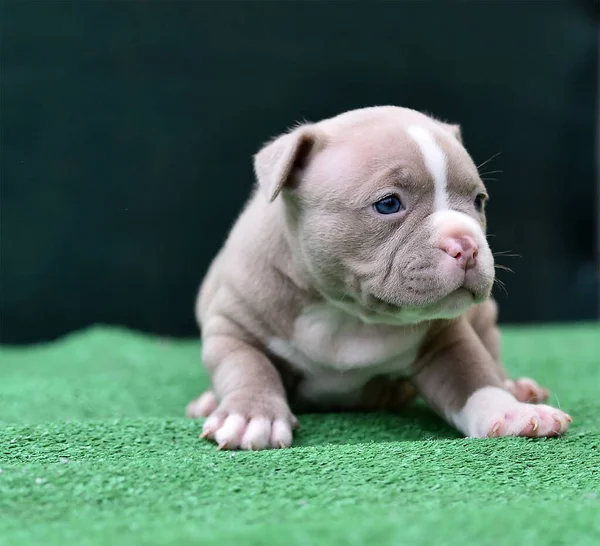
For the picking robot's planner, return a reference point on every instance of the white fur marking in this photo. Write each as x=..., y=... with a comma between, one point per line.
x=491, y=411
x=483, y=402
x=435, y=161
x=338, y=353
x=452, y=223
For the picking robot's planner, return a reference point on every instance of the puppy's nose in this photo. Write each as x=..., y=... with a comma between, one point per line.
x=463, y=249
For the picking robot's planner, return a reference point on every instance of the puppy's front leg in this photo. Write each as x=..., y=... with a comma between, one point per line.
x=460, y=380
x=252, y=410
x=483, y=319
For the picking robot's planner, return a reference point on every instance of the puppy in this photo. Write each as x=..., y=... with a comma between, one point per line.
x=360, y=262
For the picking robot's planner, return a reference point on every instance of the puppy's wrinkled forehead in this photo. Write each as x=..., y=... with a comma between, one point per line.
x=407, y=149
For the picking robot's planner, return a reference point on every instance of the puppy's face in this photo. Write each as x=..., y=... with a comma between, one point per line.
x=385, y=209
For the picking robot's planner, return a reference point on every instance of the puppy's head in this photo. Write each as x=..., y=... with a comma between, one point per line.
x=385, y=209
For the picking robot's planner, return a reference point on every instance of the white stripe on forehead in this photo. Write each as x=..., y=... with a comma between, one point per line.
x=435, y=161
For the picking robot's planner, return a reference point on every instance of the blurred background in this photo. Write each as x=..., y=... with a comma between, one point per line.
x=128, y=129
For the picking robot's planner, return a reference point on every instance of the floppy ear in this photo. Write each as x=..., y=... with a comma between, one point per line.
x=275, y=163
x=454, y=130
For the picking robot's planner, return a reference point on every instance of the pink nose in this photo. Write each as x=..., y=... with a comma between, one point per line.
x=463, y=249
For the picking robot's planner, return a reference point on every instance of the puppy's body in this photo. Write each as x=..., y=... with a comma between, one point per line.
x=323, y=299
x=324, y=354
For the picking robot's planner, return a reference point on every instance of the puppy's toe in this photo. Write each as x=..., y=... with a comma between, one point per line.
x=525, y=389
x=230, y=433
x=257, y=434
x=211, y=425
x=202, y=406
x=533, y=421
x=264, y=434
x=251, y=423
x=281, y=434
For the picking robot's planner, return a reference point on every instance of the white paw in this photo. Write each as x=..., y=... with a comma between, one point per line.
x=492, y=412
x=252, y=425
x=202, y=406
x=525, y=389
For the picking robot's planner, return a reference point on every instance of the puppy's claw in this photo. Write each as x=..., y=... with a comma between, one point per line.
x=204, y=434
x=557, y=421
x=494, y=430
x=569, y=418
x=222, y=446
x=535, y=423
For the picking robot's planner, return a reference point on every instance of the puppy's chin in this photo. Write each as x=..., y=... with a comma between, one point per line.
x=448, y=307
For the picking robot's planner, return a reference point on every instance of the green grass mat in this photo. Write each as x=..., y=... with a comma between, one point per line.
x=94, y=450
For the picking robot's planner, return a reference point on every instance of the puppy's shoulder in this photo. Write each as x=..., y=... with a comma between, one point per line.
x=253, y=278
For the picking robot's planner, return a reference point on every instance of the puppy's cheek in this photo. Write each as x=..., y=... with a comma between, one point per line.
x=426, y=278
x=486, y=261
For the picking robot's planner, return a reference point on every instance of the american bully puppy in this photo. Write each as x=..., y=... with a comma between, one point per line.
x=360, y=262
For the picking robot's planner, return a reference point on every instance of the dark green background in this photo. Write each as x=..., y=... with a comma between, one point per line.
x=128, y=129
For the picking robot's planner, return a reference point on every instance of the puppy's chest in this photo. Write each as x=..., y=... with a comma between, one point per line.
x=337, y=353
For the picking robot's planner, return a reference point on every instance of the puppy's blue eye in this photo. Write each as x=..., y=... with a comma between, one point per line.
x=388, y=205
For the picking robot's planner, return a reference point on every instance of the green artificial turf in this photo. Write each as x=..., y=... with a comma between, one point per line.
x=94, y=450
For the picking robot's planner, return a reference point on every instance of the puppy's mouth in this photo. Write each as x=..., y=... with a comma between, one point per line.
x=448, y=299
x=375, y=310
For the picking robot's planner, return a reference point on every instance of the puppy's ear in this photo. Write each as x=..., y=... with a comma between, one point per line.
x=275, y=164
x=454, y=130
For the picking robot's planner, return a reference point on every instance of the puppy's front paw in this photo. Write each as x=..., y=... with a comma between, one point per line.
x=251, y=421
x=492, y=412
x=524, y=419
x=525, y=389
